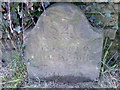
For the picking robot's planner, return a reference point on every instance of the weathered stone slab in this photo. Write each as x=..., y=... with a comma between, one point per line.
x=64, y=46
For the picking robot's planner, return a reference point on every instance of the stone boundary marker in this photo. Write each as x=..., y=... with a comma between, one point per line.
x=116, y=1
x=64, y=46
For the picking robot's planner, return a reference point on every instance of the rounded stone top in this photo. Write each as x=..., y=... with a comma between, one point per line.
x=67, y=10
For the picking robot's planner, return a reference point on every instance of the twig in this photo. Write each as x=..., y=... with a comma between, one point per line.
x=22, y=20
x=43, y=7
x=11, y=81
x=10, y=24
x=30, y=14
x=9, y=17
x=111, y=58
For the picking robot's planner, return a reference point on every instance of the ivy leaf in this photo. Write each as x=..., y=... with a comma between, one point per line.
x=46, y=4
x=94, y=4
x=108, y=14
x=17, y=29
x=20, y=14
x=92, y=17
x=99, y=8
x=82, y=6
x=14, y=6
x=28, y=60
x=98, y=23
x=115, y=27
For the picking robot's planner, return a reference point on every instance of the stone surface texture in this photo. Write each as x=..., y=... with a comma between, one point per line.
x=64, y=46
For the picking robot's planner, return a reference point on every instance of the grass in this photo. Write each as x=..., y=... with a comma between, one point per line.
x=14, y=74
x=109, y=65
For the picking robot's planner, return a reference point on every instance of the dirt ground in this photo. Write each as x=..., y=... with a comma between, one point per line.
x=53, y=84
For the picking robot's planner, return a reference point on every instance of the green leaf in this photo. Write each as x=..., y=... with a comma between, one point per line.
x=20, y=14
x=108, y=14
x=115, y=27
x=18, y=29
